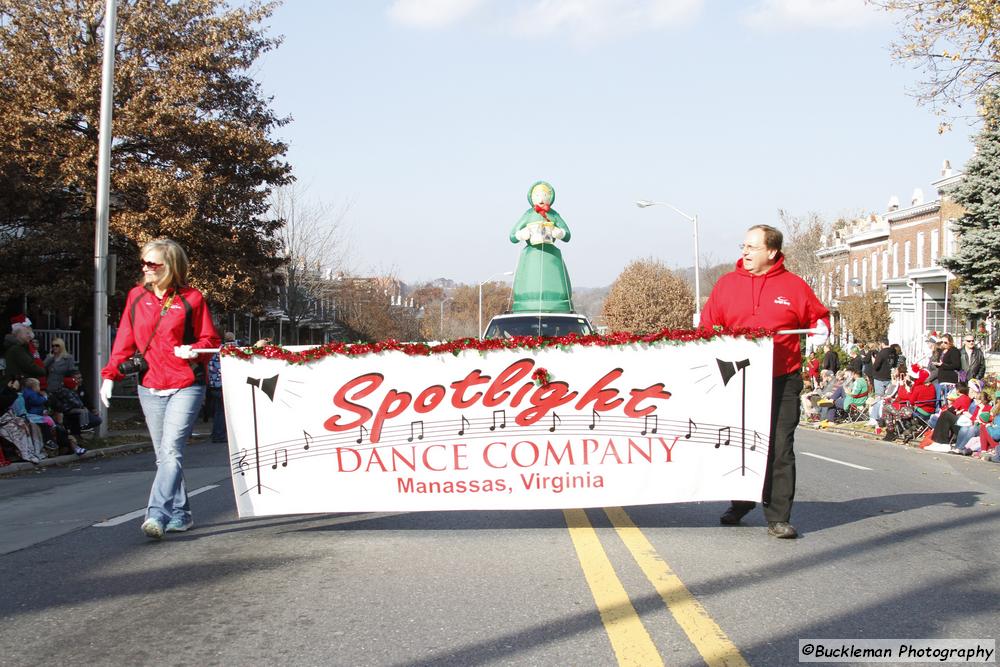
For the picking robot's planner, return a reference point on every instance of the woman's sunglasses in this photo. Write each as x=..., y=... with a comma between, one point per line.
x=152, y=266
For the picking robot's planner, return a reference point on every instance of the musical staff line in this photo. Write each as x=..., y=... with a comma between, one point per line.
x=478, y=428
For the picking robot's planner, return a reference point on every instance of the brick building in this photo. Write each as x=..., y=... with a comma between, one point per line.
x=898, y=251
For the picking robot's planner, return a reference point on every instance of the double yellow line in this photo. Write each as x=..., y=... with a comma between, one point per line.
x=629, y=639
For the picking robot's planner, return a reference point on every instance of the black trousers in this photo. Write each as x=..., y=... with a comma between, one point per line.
x=778, y=491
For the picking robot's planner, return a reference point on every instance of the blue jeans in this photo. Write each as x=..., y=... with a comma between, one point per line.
x=880, y=386
x=170, y=420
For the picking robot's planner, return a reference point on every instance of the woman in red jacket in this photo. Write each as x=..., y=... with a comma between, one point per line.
x=164, y=319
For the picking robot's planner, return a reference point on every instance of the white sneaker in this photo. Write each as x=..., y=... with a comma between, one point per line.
x=873, y=423
x=152, y=528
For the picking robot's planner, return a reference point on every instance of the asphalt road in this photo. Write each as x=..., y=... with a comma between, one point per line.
x=904, y=546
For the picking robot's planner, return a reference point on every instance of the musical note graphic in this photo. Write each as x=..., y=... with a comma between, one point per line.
x=756, y=439
x=309, y=439
x=242, y=463
x=645, y=424
x=284, y=463
x=594, y=418
x=503, y=419
x=720, y=442
x=464, y=423
x=361, y=434
x=691, y=427
x=555, y=418
x=412, y=424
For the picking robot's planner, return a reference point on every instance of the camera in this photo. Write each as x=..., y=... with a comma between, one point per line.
x=134, y=365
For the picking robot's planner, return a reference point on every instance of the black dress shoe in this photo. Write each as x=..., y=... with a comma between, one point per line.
x=733, y=515
x=782, y=530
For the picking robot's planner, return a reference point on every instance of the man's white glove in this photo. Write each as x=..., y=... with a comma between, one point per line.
x=184, y=352
x=821, y=334
x=522, y=234
x=105, y=392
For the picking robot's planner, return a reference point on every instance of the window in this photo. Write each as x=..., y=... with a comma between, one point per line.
x=934, y=317
x=920, y=249
x=935, y=245
x=895, y=259
x=906, y=257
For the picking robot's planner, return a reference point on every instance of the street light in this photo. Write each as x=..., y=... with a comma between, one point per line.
x=645, y=203
x=479, y=333
x=441, y=325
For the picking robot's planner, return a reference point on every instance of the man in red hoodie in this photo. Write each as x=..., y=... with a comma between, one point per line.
x=762, y=293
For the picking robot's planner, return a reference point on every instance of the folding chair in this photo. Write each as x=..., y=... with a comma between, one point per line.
x=860, y=412
x=919, y=423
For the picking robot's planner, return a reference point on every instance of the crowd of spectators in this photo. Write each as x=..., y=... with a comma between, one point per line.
x=42, y=411
x=944, y=401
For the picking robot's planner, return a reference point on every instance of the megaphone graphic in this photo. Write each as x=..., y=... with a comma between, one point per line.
x=730, y=368
x=267, y=385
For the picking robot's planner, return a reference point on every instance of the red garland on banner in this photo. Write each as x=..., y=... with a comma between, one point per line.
x=668, y=336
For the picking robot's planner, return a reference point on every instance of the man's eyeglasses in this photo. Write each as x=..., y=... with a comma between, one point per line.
x=751, y=248
x=152, y=266
x=969, y=340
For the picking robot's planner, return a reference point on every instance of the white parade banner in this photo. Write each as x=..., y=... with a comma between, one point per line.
x=616, y=425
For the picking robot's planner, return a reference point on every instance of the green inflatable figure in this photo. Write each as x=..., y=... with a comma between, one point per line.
x=541, y=282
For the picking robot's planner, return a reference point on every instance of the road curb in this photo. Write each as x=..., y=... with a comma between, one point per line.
x=140, y=445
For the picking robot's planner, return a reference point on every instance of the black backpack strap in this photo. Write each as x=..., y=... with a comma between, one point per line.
x=188, y=323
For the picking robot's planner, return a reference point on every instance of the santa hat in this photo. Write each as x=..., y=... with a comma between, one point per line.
x=914, y=371
x=70, y=382
x=18, y=321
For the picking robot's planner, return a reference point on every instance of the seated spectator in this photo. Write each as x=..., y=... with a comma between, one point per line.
x=891, y=390
x=17, y=354
x=857, y=393
x=37, y=408
x=70, y=411
x=827, y=404
x=14, y=428
x=59, y=364
x=968, y=422
x=810, y=399
x=946, y=423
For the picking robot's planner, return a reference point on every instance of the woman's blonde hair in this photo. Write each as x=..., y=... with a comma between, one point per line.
x=62, y=346
x=175, y=260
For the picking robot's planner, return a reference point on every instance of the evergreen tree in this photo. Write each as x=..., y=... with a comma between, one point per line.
x=977, y=260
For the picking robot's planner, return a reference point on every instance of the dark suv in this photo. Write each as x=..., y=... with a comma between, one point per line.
x=509, y=325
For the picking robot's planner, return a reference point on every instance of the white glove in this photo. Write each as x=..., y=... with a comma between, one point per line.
x=558, y=233
x=185, y=352
x=821, y=334
x=105, y=392
x=522, y=234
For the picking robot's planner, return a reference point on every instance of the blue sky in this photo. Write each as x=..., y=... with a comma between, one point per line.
x=433, y=117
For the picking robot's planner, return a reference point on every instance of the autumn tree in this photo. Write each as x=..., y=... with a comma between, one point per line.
x=312, y=248
x=955, y=42
x=367, y=313
x=193, y=156
x=867, y=315
x=977, y=259
x=456, y=314
x=647, y=297
x=803, y=239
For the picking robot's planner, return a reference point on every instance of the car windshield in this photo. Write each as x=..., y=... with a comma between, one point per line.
x=538, y=325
